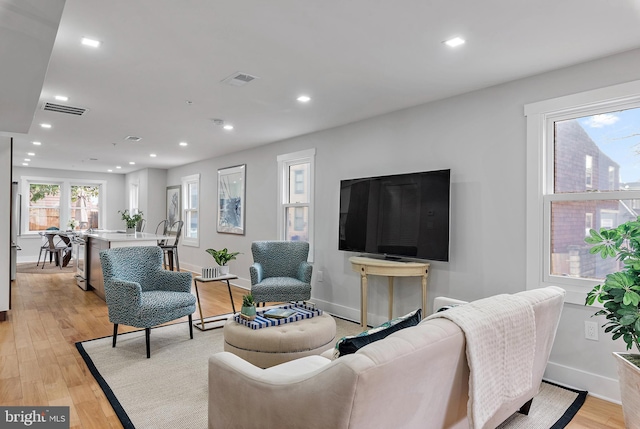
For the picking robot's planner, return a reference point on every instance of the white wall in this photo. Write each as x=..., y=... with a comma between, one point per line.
x=151, y=195
x=481, y=137
x=115, y=200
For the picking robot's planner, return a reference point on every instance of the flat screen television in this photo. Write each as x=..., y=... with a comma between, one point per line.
x=402, y=215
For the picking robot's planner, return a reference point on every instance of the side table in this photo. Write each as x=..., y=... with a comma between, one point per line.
x=201, y=279
x=380, y=267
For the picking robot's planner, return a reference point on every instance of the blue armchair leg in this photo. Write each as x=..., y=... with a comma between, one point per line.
x=191, y=326
x=115, y=334
x=147, y=335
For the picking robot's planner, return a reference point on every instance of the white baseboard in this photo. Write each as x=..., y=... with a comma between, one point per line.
x=601, y=387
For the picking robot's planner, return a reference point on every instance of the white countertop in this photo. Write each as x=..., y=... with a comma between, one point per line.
x=122, y=236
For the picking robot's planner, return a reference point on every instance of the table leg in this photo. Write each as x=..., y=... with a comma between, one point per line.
x=195, y=284
x=390, y=297
x=363, y=300
x=231, y=297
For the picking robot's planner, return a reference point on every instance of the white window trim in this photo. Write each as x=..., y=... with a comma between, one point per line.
x=284, y=161
x=189, y=241
x=65, y=198
x=540, y=180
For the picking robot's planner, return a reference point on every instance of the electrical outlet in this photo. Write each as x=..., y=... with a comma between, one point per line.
x=591, y=330
x=320, y=277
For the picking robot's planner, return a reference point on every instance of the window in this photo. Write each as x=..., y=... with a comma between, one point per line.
x=585, y=149
x=190, y=204
x=295, y=197
x=44, y=206
x=54, y=202
x=134, y=192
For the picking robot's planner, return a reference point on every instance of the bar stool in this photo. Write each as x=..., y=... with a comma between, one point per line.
x=171, y=250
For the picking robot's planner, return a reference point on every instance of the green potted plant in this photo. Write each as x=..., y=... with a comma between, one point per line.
x=248, y=310
x=222, y=257
x=620, y=297
x=131, y=220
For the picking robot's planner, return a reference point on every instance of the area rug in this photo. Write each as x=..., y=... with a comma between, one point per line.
x=170, y=389
x=49, y=268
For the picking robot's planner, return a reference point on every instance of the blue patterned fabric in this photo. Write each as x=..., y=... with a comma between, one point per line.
x=280, y=271
x=139, y=292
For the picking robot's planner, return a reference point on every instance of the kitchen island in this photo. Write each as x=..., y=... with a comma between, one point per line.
x=100, y=240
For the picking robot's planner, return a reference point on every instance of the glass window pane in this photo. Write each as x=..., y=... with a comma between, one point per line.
x=299, y=183
x=193, y=196
x=85, y=205
x=191, y=224
x=570, y=224
x=297, y=223
x=598, y=152
x=44, y=206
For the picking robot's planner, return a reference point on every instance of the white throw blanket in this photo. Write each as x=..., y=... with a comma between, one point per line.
x=500, y=336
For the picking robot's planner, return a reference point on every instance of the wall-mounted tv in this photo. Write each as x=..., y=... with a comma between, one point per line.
x=402, y=215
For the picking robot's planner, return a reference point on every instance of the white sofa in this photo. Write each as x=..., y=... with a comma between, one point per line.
x=417, y=377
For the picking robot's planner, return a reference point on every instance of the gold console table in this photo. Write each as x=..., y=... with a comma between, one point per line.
x=381, y=267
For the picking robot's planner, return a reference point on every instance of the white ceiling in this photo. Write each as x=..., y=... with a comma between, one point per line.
x=355, y=58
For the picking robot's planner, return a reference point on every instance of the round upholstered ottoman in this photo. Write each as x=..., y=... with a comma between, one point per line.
x=271, y=346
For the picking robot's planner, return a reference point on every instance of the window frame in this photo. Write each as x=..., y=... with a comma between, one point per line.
x=65, y=199
x=284, y=162
x=540, y=117
x=186, y=207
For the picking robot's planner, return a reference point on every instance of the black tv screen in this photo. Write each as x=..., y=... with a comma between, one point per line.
x=403, y=215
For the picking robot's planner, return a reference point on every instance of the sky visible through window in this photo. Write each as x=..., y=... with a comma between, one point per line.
x=617, y=134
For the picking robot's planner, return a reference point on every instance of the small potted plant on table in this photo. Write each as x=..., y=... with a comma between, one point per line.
x=131, y=220
x=620, y=297
x=248, y=310
x=222, y=257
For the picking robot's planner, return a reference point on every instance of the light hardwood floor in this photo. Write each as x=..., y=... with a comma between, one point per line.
x=40, y=365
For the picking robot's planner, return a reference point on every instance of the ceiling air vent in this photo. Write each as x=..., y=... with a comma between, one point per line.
x=239, y=79
x=53, y=107
x=133, y=138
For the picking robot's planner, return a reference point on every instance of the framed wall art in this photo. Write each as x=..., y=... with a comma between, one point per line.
x=174, y=204
x=231, y=199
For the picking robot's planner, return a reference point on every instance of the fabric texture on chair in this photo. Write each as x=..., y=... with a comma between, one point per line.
x=140, y=293
x=280, y=271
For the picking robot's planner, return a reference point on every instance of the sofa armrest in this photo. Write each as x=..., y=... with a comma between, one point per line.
x=171, y=281
x=241, y=394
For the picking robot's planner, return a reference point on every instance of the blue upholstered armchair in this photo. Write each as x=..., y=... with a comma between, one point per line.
x=280, y=271
x=140, y=293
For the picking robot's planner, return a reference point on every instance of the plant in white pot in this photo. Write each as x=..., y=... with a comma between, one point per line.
x=222, y=257
x=131, y=220
x=620, y=297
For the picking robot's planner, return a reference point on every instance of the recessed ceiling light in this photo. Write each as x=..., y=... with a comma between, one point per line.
x=27, y=159
x=183, y=143
x=25, y=164
x=152, y=155
x=90, y=42
x=37, y=143
x=118, y=167
x=31, y=153
x=45, y=125
x=110, y=171
x=61, y=98
x=132, y=163
x=304, y=99
x=228, y=127
x=456, y=41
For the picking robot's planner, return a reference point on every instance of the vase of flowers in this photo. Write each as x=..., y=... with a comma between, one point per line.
x=131, y=220
x=72, y=224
